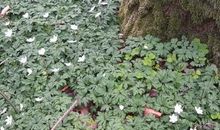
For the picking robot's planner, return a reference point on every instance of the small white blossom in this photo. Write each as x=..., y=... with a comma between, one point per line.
x=71, y=41
x=2, y=128
x=23, y=59
x=46, y=15
x=199, y=110
x=53, y=39
x=29, y=70
x=68, y=64
x=82, y=59
x=55, y=70
x=178, y=108
x=21, y=107
x=145, y=47
x=3, y=111
x=98, y=14
x=7, y=23
x=193, y=128
x=74, y=27
x=9, y=120
x=91, y=10
x=120, y=35
x=26, y=15
x=30, y=39
x=104, y=3
x=121, y=107
x=103, y=75
x=38, y=99
x=8, y=33
x=41, y=51
x=173, y=118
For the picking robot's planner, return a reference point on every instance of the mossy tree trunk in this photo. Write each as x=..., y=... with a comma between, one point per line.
x=174, y=18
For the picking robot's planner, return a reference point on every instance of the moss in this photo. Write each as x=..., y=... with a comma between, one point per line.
x=214, y=45
x=174, y=24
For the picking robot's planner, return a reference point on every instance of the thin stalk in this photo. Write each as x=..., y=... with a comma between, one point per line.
x=8, y=100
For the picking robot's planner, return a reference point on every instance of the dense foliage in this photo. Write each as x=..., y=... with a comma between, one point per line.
x=75, y=44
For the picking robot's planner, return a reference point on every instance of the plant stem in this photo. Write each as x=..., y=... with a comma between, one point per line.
x=8, y=100
x=3, y=62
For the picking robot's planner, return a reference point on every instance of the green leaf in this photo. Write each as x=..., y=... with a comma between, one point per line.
x=151, y=56
x=135, y=51
x=198, y=72
x=171, y=58
x=139, y=75
x=148, y=62
x=128, y=57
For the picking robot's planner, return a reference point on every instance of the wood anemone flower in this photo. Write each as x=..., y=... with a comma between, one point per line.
x=149, y=111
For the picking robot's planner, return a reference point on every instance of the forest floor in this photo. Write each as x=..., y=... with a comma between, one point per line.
x=56, y=53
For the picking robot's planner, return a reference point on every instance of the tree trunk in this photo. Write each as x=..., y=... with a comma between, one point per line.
x=174, y=18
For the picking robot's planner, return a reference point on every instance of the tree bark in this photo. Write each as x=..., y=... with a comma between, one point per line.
x=173, y=18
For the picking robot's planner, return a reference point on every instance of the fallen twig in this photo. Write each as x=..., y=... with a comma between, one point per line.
x=64, y=115
x=8, y=100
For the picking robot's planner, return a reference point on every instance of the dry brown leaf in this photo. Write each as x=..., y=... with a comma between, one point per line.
x=5, y=10
x=149, y=111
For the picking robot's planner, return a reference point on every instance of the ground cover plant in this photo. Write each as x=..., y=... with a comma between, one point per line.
x=55, y=52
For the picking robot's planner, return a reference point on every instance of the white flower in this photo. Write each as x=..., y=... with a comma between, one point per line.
x=41, y=51
x=21, y=107
x=121, y=107
x=23, y=59
x=9, y=120
x=145, y=47
x=120, y=35
x=178, y=109
x=26, y=15
x=199, y=110
x=2, y=128
x=53, y=39
x=71, y=41
x=30, y=39
x=74, y=27
x=3, y=111
x=103, y=75
x=173, y=118
x=98, y=14
x=29, y=70
x=7, y=23
x=38, y=99
x=55, y=70
x=68, y=64
x=8, y=33
x=193, y=128
x=82, y=59
x=46, y=15
x=91, y=10
x=103, y=3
